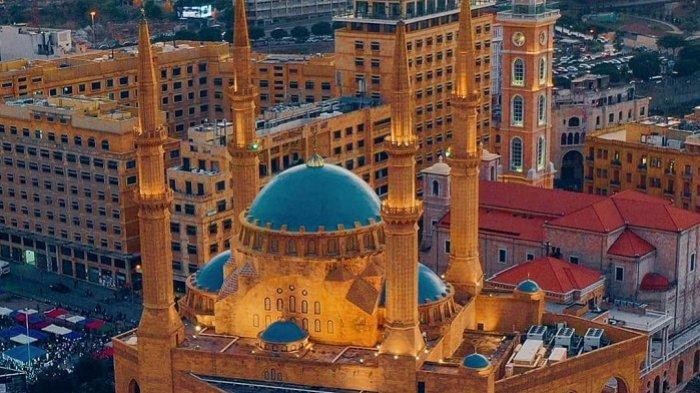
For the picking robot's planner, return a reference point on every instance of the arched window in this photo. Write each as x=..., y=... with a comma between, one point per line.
x=317, y=307
x=517, y=111
x=516, y=154
x=329, y=326
x=543, y=70
x=134, y=387
x=542, y=110
x=679, y=373
x=105, y=145
x=317, y=325
x=91, y=142
x=292, y=304
x=436, y=187
x=570, y=139
x=305, y=324
x=657, y=385
x=583, y=137
x=577, y=139
x=574, y=122
x=268, y=304
x=304, y=306
x=540, y=153
x=518, y=77
x=280, y=305
x=696, y=362
x=78, y=141
x=563, y=139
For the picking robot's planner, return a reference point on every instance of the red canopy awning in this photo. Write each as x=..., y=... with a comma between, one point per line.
x=56, y=312
x=94, y=324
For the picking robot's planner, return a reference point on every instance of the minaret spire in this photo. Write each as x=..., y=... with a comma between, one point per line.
x=400, y=213
x=465, y=271
x=244, y=147
x=160, y=328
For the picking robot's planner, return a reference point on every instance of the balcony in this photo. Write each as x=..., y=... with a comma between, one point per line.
x=670, y=172
x=642, y=167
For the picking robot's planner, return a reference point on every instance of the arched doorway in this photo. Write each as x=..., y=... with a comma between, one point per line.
x=134, y=387
x=571, y=177
x=679, y=373
x=615, y=385
x=657, y=385
x=696, y=362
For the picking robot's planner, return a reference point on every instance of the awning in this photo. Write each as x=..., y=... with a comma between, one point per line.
x=55, y=313
x=24, y=353
x=23, y=339
x=5, y=311
x=75, y=319
x=94, y=324
x=28, y=311
x=58, y=330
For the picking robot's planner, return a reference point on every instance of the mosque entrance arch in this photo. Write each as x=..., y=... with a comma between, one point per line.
x=615, y=385
x=134, y=387
x=571, y=177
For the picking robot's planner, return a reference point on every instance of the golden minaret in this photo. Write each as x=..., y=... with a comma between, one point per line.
x=464, y=270
x=243, y=148
x=400, y=212
x=160, y=328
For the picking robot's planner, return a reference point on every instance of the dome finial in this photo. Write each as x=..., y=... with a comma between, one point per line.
x=316, y=160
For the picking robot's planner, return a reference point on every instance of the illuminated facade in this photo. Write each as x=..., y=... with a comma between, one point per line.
x=526, y=96
x=323, y=287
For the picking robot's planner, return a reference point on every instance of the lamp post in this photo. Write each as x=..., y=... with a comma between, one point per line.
x=92, y=18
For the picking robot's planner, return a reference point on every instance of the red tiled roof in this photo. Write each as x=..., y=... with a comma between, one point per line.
x=532, y=200
x=506, y=224
x=629, y=244
x=654, y=214
x=602, y=217
x=654, y=282
x=551, y=274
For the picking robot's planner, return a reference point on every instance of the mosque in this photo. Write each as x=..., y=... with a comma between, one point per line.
x=323, y=290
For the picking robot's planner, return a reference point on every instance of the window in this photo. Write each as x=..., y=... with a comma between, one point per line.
x=502, y=255
x=518, y=76
x=574, y=260
x=542, y=110
x=516, y=154
x=692, y=262
x=543, y=71
x=529, y=256
x=516, y=116
x=436, y=187
x=619, y=273
x=448, y=246
x=540, y=153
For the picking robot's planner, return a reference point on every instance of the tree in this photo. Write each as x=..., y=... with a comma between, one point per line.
x=279, y=33
x=209, y=34
x=338, y=25
x=645, y=65
x=186, y=35
x=686, y=67
x=322, y=28
x=300, y=34
x=562, y=82
x=153, y=10
x=671, y=41
x=610, y=70
x=256, y=32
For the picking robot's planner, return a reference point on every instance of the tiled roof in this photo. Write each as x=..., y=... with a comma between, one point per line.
x=601, y=217
x=506, y=224
x=654, y=282
x=551, y=274
x=629, y=244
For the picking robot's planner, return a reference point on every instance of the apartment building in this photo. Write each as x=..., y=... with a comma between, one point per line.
x=202, y=219
x=294, y=79
x=68, y=172
x=653, y=159
x=591, y=103
x=364, y=59
x=265, y=12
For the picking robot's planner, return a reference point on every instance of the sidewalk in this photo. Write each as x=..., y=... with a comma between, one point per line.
x=29, y=282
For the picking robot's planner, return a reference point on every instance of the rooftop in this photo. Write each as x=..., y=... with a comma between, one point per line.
x=551, y=274
x=449, y=7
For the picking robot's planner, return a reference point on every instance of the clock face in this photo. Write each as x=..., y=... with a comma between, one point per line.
x=518, y=39
x=543, y=38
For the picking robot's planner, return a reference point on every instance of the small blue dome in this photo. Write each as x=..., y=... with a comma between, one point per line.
x=283, y=332
x=430, y=286
x=528, y=286
x=210, y=277
x=314, y=196
x=476, y=361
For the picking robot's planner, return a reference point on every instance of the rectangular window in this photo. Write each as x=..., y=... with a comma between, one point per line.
x=502, y=255
x=574, y=260
x=447, y=246
x=619, y=273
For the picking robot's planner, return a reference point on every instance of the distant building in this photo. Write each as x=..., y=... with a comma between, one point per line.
x=24, y=42
x=13, y=381
x=272, y=11
x=591, y=103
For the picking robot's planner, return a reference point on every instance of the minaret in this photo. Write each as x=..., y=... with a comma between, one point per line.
x=400, y=212
x=244, y=147
x=160, y=328
x=464, y=270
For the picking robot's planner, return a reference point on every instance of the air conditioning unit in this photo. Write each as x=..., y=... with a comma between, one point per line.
x=592, y=339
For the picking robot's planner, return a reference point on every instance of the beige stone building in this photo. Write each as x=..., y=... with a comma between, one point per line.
x=592, y=103
x=202, y=219
x=68, y=174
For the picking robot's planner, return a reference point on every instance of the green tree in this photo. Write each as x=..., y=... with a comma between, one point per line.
x=645, y=65
x=209, y=34
x=186, y=35
x=615, y=74
x=686, y=67
x=300, y=33
x=256, y=32
x=322, y=28
x=671, y=41
x=153, y=10
x=338, y=25
x=562, y=82
x=279, y=33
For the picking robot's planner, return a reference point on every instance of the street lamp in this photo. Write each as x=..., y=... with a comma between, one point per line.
x=92, y=17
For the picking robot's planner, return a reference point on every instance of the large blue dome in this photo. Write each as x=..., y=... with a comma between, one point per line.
x=283, y=332
x=210, y=277
x=528, y=286
x=315, y=196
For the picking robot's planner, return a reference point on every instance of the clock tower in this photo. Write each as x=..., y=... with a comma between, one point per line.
x=524, y=134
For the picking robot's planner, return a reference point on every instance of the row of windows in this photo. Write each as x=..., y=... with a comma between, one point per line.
x=72, y=173
x=77, y=237
x=518, y=72
x=517, y=110
x=51, y=136
x=516, y=154
x=61, y=156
